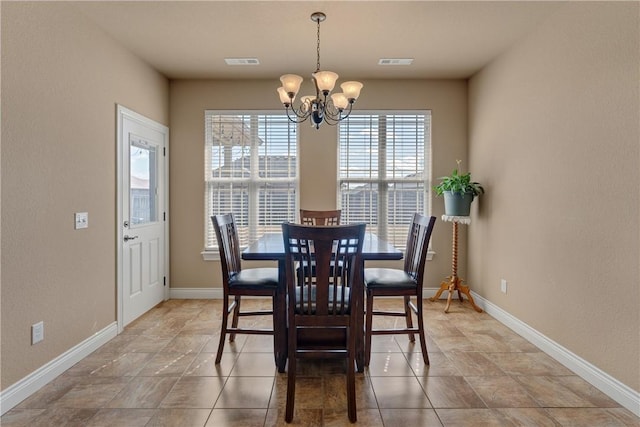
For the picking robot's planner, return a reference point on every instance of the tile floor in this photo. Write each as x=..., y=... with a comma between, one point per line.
x=160, y=372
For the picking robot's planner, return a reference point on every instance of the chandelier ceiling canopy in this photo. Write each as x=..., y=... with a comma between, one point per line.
x=319, y=107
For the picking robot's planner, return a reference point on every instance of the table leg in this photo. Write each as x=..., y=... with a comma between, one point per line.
x=280, y=320
x=359, y=328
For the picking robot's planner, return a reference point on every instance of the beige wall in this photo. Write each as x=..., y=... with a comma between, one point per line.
x=61, y=80
x=318, y=148
x=554, y=136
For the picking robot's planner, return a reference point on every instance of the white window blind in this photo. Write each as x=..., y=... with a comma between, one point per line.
x=384, y=162
x=251, y=171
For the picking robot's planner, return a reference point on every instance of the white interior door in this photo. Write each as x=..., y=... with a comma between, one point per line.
x=143, y=232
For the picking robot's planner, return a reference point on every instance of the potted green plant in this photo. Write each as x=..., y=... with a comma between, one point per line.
x=458, y=191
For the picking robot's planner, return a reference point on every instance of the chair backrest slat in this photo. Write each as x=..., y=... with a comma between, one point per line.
x=418, y=239
x=310, y=217
x=228, y=245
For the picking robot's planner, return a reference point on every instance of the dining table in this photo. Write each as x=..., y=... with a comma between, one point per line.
x=270, y=247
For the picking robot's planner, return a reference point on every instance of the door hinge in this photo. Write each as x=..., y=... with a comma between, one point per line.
x=164, y=151
x=164, y=281
x=164, y=216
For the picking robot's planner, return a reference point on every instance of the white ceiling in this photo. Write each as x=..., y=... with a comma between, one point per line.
x=191, y=39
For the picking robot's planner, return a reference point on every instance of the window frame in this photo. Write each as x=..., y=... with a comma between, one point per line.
x=252, y=183
x=381, y=180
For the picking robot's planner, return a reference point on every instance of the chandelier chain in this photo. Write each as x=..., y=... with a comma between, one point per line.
x=318, y=47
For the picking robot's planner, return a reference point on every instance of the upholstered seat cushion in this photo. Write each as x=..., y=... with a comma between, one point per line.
x=255, y=278
x=381, y=278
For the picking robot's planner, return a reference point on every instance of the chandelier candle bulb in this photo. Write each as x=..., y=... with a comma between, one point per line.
x=284, y=96
x=340, y=101
x=291, y=84
x=351, y=90
x=319, y=107
x=326, y=81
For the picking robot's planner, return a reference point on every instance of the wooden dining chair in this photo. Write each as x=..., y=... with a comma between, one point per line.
x=323, y=305
x=309, y=217
x=238, y=282
x=407, y=283
x=319, y=218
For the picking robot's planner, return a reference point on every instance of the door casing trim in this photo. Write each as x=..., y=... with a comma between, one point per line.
x=122, y=112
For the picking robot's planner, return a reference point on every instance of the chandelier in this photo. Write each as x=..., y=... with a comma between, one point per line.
x=319, y=107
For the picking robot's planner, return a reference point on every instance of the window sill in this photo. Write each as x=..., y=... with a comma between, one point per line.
x=208, y=255
x=430, y=255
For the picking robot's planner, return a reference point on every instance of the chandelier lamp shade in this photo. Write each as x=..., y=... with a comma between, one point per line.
x=320, y=107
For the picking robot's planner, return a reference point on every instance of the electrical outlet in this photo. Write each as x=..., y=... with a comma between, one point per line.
x=81, y=220
x=503, y=286
x=37, y=332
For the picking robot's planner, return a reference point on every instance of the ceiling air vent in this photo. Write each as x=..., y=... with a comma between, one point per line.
x=395, y=61
x=242, y=61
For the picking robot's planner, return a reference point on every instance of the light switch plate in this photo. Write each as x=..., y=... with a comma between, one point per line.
x=37, y=332
x=81, y=220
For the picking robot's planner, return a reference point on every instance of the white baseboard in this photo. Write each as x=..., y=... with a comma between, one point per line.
x=429, y=292
x=24, y=388
x=621, y=393
x=195, y=293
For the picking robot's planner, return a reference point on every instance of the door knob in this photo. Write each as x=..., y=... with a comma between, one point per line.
x=127, y=238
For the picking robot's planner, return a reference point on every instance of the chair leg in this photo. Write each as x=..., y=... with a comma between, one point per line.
x=368, y=328
x=407, y=313
x=223, y=328
x=423, y=341
x=274, y=320
x=291, y=389
x=351, y=383
x=234, y=321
